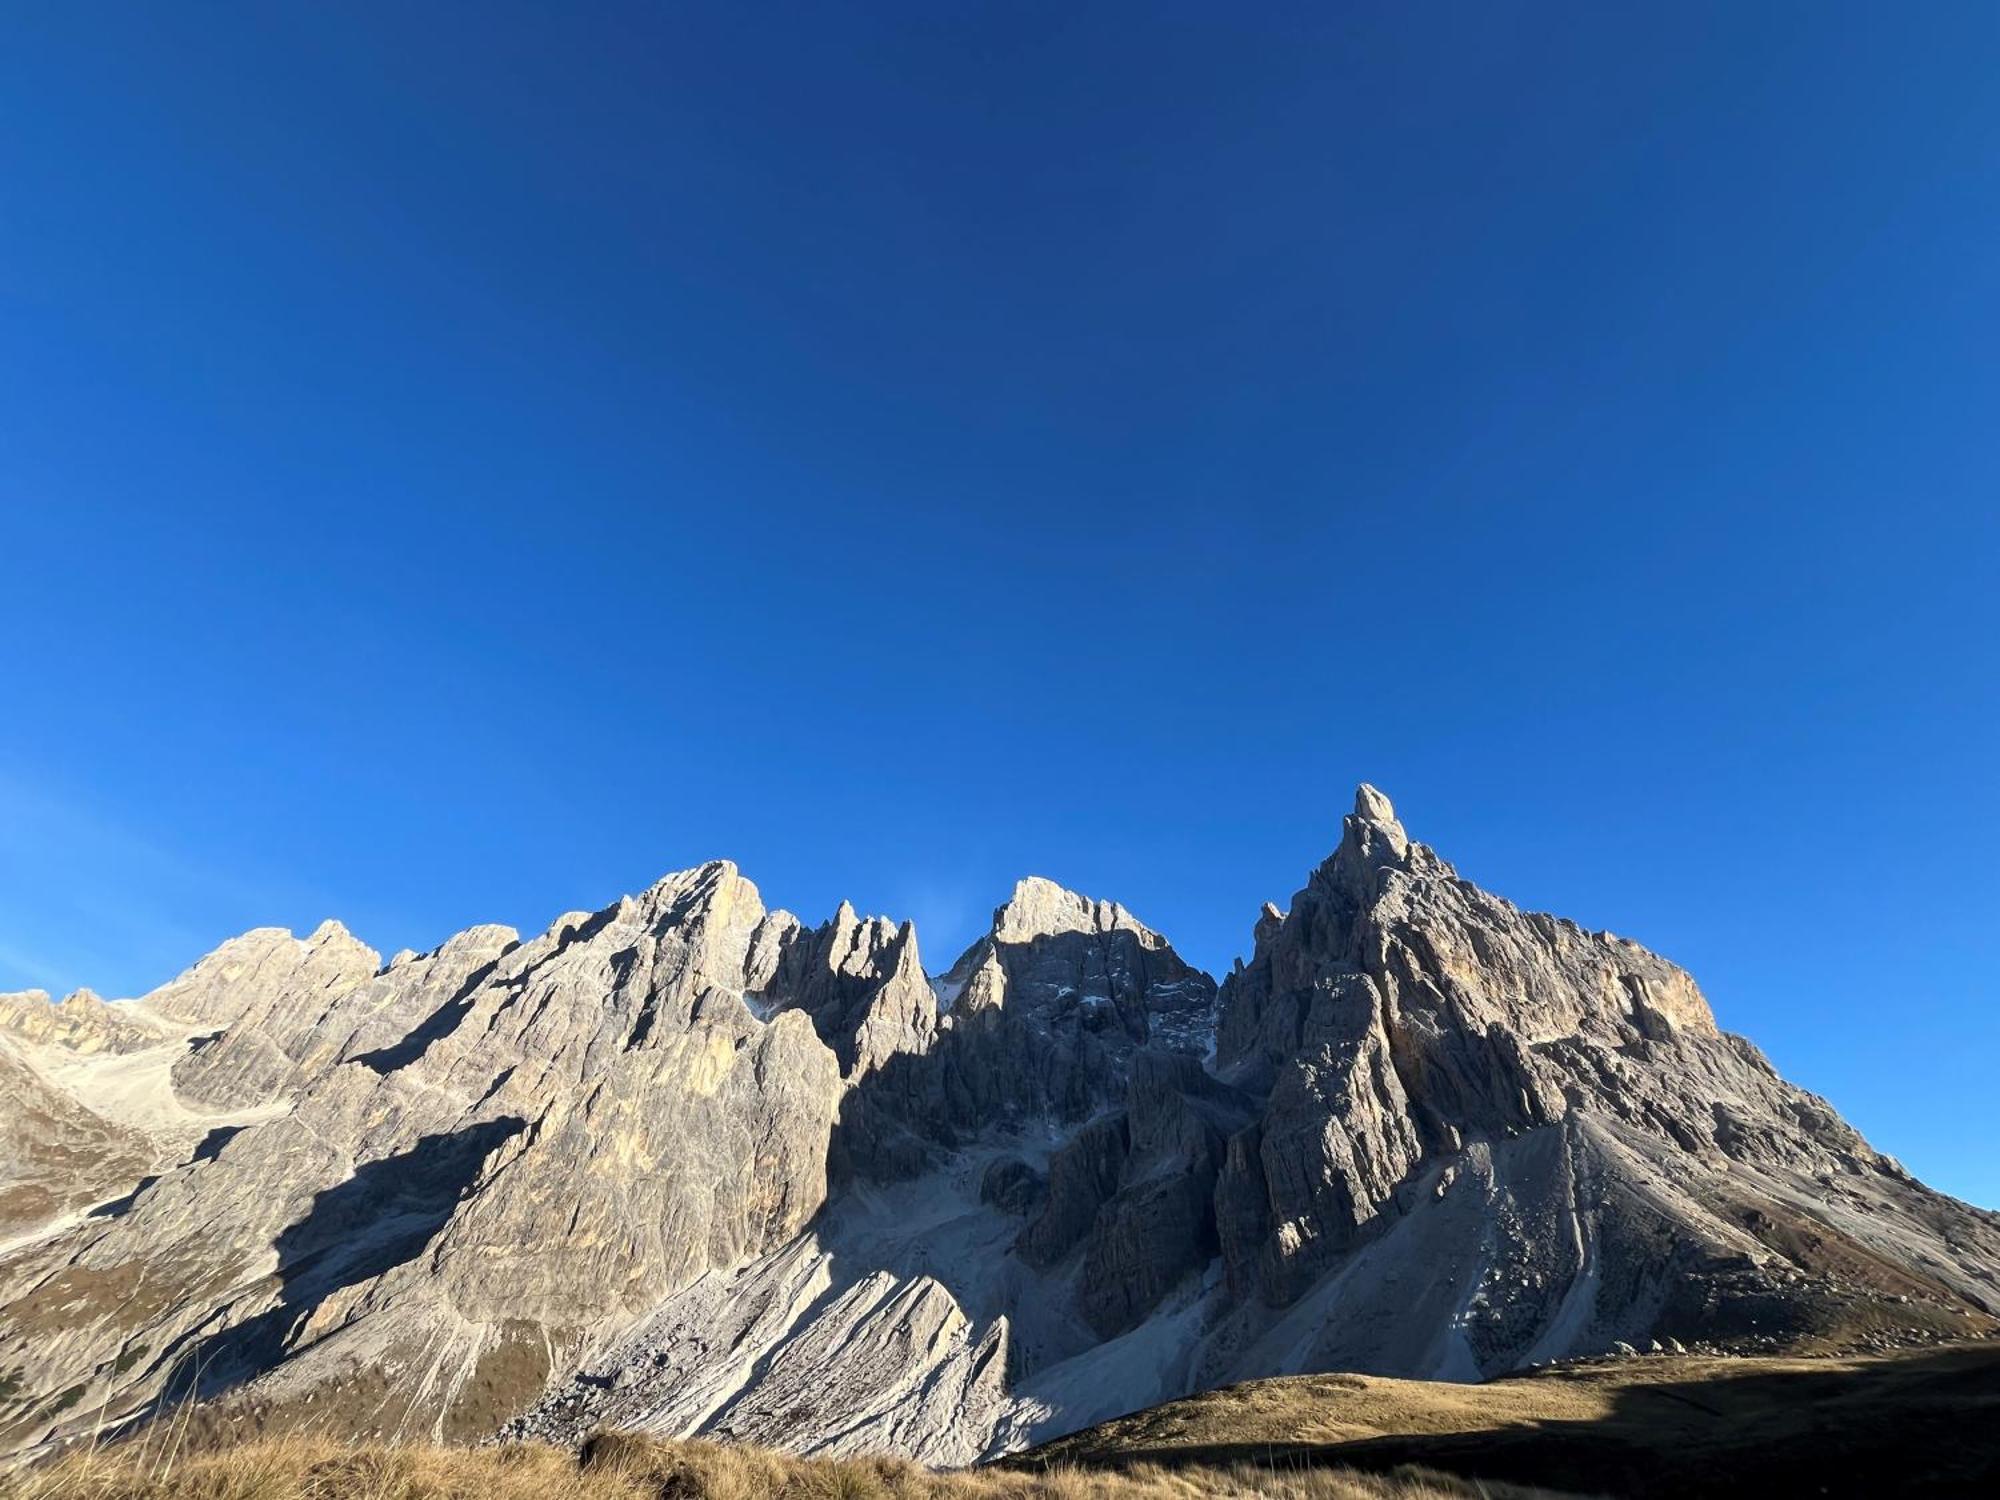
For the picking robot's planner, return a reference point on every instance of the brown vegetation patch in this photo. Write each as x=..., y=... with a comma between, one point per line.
x=1820, y=1251
x=362, y=1405
x=122, y=1296
x=26, y=1204
x=507, y=1378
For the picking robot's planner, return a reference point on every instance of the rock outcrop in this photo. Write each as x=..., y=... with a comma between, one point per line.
x=689, y=1164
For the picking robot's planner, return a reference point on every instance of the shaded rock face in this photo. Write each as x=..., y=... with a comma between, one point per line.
x=864, y=987
x=690, y=1165
x=1049, y=1010
x=1037, y=1023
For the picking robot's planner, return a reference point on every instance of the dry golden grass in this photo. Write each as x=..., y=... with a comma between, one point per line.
x=618, y=1467
x=1921, y=1421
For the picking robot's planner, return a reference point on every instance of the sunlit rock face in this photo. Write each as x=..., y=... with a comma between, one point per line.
x=691, y=1165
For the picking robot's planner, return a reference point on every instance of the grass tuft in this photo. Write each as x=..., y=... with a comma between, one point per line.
x=620, y=1466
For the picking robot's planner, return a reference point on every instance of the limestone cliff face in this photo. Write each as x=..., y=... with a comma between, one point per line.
x=551, y=1135
x=1397, y=1011
x=1050, y=1008
x=1403, y=1030
x=690, y=1164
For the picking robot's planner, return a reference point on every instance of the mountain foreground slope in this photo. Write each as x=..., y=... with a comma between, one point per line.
x=303, y=1466
x=688, y=1166
x=1908, y=1422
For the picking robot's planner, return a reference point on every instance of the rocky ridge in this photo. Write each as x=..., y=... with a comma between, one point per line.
x=690, y=1165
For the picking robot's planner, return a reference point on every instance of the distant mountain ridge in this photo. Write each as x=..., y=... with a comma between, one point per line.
x=689, y=1165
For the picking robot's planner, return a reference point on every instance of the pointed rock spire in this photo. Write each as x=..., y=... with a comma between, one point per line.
x=1372, y=804
x=1373, y=834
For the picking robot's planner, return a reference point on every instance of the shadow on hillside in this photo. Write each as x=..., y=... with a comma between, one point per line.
x=1923, y=1424
x=439, y=1024
x=382, y=1216
x=117, y=1208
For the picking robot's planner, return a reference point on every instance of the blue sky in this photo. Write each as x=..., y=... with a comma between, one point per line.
x=460, y=462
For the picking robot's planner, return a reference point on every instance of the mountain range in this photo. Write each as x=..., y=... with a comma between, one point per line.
x=688, y=1165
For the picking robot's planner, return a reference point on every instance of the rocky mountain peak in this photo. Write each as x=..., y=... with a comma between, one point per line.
x=485, y=939
x=690, y=1164
x=712, y=890
x=1373, y=806
x=82, y=1022
x=1039, y=908
x=1372, y=839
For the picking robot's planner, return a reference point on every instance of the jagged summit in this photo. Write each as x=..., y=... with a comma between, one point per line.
x=690, y=1164
x=1041, y=908
x=1372, y=806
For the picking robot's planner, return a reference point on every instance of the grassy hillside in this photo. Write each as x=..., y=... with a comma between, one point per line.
x=1918, y=1422
x=626, y=1468
x=1925, y=1421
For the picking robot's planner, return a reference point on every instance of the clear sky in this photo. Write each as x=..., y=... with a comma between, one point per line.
x=459, y=462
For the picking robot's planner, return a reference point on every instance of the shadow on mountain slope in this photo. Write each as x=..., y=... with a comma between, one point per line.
x=354, y=1231
x=1919, y=1423
x=439, y=1024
